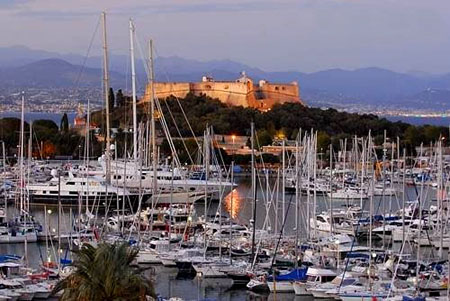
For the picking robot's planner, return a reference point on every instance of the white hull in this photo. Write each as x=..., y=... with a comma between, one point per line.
x=280, y=286
x=148, y=257
x=167, y=262
x=209, y=271
x=320, y=294
x=300, y=289
x=19, y=238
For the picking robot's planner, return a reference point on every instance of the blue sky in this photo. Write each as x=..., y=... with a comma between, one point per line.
x=303, y=35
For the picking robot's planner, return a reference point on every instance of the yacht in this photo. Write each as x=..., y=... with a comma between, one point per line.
x=71, y=190
x=314, y=276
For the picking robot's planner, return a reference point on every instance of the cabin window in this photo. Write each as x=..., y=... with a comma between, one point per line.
x=321, y=219
x=312, y=278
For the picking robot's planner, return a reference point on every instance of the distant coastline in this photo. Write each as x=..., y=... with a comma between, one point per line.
x=31, y=116
x=414, y=120
x=420, y=120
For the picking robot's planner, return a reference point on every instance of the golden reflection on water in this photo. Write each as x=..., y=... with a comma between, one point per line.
x=233, y=203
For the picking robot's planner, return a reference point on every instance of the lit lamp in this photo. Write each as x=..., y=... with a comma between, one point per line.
x=233, y=137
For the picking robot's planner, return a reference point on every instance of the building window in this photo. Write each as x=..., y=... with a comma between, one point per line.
x=226, y=87
x=208, y=87
x=283, y=88
x=276, y=88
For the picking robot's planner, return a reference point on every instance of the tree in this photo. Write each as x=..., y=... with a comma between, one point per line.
x=323, y=140
x=111, y=99
x=105, y=273
x=64, y=127
x=120, y=99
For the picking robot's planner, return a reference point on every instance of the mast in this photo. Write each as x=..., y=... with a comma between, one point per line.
x=253, y=190
x=133, y=85
x=404, y=197
x=283, y=181
x=106, y=94
x=88, y=137
x=30, y=154
x=22, y=129
x=231, y=213
x=331, y=189
x=4, y=179
x=153, y=112
x=206, y=160
x=297, y=187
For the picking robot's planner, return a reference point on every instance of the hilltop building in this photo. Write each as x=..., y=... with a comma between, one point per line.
x=241, y=92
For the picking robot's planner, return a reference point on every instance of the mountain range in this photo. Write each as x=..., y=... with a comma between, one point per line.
x=23, y=67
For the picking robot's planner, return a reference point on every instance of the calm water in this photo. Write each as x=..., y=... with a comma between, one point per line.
x=440, y=121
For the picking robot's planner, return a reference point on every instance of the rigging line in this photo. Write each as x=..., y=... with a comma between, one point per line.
x=178, y=131
x=181, y=108
x=219, y=159
x=83, y=66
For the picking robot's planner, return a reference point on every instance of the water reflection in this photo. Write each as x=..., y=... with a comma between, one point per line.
x=233, y=203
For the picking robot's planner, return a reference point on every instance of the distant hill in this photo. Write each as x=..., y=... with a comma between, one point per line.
x=53, y=73
x=23, y=67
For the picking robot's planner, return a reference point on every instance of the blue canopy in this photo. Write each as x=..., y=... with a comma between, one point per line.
x=237, y=169
x=294, y=275
x=6, y=258
x=357, y=255
x=418, y=298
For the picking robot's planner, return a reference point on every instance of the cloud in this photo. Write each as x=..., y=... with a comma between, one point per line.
x=82, y=8
x=302, y=35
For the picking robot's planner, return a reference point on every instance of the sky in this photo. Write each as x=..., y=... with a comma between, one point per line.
x=274, y=35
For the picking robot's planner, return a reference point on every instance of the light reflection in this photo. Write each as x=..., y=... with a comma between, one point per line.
x=234, y=210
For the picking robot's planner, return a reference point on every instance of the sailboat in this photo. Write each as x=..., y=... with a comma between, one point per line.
x=23, y=228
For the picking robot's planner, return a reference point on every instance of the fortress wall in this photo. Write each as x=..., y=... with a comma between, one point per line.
x=281, y=92
x=237, y=93
x=164, y=90
x=231, y=93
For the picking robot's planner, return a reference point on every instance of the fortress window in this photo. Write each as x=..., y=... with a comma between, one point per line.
x=283, y=88
x=226, y=87
x=208, y=87
x=277, y=88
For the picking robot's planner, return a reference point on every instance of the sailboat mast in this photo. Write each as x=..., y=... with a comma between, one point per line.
x=133, y=86
x=4, y=179
x=253, y=190
x=153, y=132
x=106, y=93
x=22, y=129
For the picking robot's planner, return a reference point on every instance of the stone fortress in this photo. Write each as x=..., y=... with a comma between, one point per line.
x=242, y=92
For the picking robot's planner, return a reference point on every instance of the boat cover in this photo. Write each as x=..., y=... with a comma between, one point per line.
x=294, y=275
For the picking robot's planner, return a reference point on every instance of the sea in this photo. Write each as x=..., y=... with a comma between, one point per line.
x=415, y=120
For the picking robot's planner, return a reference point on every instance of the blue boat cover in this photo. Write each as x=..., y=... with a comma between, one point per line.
x=294, y=275
x=66, y=261
x=6, y=258
x=357, y=255
x=418, y=298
